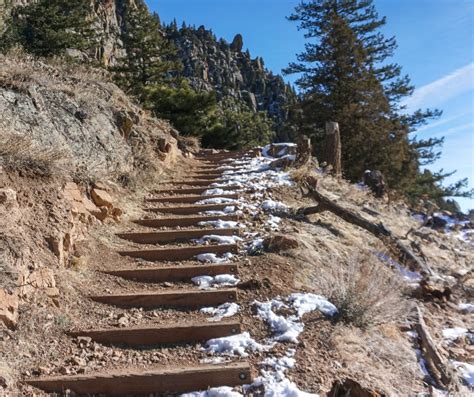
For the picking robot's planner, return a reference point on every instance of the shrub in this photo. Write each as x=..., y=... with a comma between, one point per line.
x=27, y=156
x=364, y=291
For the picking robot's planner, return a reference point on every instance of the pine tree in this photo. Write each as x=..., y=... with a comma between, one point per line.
x=150, y=58
x=345, y=76
x=50, y=27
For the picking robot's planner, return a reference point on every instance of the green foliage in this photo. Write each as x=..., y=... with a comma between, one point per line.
x=191, y=112
x=150, y=58
x=344, y=76
x=241, y=128
x=50, y=27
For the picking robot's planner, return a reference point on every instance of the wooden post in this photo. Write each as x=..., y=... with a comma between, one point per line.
x=304, y=151
x=332, y=147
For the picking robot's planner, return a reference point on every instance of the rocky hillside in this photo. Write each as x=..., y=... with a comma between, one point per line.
x=212, y=64
x=209, y=63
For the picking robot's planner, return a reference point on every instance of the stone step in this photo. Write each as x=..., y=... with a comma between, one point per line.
x=175, y=235
x=174, y=273
x=149, y=381
x=194, y=190
x=180, y=253
x=177, y=299
x=184, y=221
x=190, y=209
x=190, y=332
x=190, y=199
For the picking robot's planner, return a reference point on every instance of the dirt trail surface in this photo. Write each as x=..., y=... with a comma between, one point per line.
x=274, y=304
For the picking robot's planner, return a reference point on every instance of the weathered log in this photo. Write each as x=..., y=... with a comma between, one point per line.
x=379, y=230
x=431, y=354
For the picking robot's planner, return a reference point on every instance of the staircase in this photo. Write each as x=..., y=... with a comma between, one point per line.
x=177, y=226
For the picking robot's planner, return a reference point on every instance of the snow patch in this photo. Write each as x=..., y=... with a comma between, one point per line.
x=221, y=280
x=307, y=302
x=466, y=307
x=221, y=311
x=466, y=371
x=219, y=239
x=452, y=334
x=220, y=224
x=223, y=391
x=235, y=344
x=217, y=200
x=213, y=258
x=271, y=205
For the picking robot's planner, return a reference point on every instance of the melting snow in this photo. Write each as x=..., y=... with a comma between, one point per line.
x=216, y=191
x=306, y=302
x=466, y=307
x=217, y=200
x=451, y=334
x=219, y=239
x=223, y=391
x=220, y=224
x=466, y=371
x=271, y=205
x=274, y=221
x=235, y=344
x=224, y=310
x=213, y=258
x=220, y=280
x=412, y=277
x=289, y=328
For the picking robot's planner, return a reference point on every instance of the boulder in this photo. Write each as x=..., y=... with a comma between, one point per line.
x=279, y=243
x=101, y=198
x=8, y=308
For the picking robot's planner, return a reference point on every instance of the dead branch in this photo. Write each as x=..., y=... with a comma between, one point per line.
x=379, y=230
x=432, y=356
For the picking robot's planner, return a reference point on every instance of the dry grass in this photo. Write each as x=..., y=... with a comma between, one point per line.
x=28, y=157
x=365, y=293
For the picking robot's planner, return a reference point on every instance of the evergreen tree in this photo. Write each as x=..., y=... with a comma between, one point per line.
x=345, y=76
x=50, y=27
x=189, y=111
x=150, y=58
x=240, y=128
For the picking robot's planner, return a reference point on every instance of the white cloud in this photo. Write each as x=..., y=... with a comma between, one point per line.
x=433, y=94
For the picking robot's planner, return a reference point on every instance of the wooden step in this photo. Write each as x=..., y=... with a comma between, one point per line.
x=190, y=209
x=175, y=235
x=194, y=182
x=184, y=221
x=194, y=190
x=194, y=332
x=177, y=299
x=149, y=381
x=190, y=199
x=180, y=253
x=174, y=273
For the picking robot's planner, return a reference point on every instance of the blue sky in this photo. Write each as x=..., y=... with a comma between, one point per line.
x=435, y=47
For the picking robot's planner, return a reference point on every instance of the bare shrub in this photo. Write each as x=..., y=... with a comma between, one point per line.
x=364, y=291
x=27, y=156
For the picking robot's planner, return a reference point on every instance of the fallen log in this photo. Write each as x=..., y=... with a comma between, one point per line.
x=407, y=257
x=438, y=368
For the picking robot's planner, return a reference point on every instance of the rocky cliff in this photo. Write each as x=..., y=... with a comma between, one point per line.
x=214, y=64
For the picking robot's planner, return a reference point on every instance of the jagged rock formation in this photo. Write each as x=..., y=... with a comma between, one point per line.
x=212, y=64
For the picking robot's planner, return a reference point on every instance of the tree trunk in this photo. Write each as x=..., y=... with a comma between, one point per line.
x=332, y=148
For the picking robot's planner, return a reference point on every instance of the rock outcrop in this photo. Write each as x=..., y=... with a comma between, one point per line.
x=213, y=64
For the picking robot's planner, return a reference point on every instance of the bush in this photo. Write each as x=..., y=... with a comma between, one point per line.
x=26, y=156
x=364, y=291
